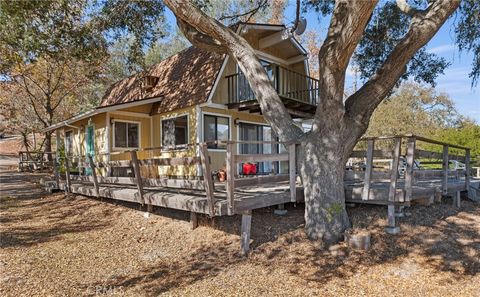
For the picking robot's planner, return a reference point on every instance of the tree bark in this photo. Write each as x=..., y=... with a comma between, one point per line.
x=322, y=171
x=48, y=145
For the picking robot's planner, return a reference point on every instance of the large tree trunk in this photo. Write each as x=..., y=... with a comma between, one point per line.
x=322, y=168
x=48, y=144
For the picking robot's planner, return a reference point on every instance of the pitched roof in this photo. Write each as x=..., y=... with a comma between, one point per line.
x=184, y=79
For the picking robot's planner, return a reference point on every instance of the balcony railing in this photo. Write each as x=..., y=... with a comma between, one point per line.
x=288, y=83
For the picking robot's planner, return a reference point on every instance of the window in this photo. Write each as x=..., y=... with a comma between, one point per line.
x=126, y=134
x=69, y=143
x=175, y=131
x=216, y=128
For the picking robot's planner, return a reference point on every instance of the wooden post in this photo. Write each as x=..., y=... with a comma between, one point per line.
x=57, y=158
x=138, y=177
x=245, y=236
x=230, y=178
x=67, y=175
x=193, y=220
x=276, y=165
x=411, y=142
x=94, y=175
x=456, y=199
x=207, y=178
x=392, y=229
x=468, y=169
x=292, y=170
x=445, y=170
x=368, y=169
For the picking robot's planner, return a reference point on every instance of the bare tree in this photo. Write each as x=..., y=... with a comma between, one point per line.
x=337, y=124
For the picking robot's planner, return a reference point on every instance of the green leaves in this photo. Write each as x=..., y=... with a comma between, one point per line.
x=387, y=26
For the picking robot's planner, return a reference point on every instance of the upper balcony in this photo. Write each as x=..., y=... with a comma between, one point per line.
x=297, y=91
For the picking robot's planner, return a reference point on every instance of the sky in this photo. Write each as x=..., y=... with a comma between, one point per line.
x=455, y=82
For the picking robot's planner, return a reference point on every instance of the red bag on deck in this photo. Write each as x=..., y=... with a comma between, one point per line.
x=249, y=169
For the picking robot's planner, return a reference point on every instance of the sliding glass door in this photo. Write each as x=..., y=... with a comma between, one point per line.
x=253, y=132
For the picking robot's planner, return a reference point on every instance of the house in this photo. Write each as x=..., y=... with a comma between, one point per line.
x=196, y=96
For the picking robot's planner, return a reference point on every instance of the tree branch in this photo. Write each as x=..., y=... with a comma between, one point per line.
x=30, y=96
x=271, y=105
x=261, y=5
x=407, y=9
x=361, y=104
x=200, y=40
x=347, y=25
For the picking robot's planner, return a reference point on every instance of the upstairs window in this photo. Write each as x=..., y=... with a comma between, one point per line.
x=126, y=134
x=175, y=131
x=216, y=129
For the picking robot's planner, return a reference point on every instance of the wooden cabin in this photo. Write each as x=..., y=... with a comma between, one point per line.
x=193, y=97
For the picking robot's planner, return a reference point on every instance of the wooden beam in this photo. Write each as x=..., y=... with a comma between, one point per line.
x=230, y=178
x=292, y=171
x=94, y=176
x=393, y=182
x=457, y=199
x=368, y=169
x=468, y=169
x=67, y=175
x=245, y=229
x=409, y=176
x=274, y=38
x=138, y=177
x=445, y=170
x=190, y=184
x=260, y=158
x=296, y=59
x=207, y=177
x=193, y=220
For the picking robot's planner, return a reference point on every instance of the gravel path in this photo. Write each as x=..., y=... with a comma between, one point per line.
x=52, y=245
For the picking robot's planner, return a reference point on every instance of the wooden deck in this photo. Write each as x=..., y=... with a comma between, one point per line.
x=396, y=185
x=246, y=198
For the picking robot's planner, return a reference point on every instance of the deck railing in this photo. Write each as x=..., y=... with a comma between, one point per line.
x=287, y=83
x=35, y=160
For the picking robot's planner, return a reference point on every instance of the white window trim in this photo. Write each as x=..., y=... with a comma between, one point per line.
x=139, y=123
x=188, y=129
x=230, y=123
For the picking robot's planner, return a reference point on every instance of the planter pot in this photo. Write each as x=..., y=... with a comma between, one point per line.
x=358, y=240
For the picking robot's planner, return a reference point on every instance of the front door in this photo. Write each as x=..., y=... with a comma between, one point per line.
x=89, y=145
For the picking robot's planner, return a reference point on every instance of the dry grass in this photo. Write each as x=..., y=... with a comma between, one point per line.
x=72, y=246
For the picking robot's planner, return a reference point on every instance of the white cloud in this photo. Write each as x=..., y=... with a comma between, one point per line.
x=441, y=49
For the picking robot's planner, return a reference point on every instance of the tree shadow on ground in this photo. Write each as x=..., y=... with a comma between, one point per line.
x=448, y=240
x=23, y=200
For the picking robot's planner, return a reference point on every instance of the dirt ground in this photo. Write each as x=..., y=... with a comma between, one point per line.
x=52, y=245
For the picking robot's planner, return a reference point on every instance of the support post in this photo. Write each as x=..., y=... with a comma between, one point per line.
x=468, y=169
x=67, y=175
x=193, y=220
x=445, y=170
x=409, y=177
x=138, y=177
x=245, y=236
x=57, y=158
x=230, y=178
x=368, y=169
x=392, y=228
x=292, y=170
x=94, y=175
x=207, y=178
x=456, y=199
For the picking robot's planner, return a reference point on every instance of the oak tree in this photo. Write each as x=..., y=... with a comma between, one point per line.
x=338, y=124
